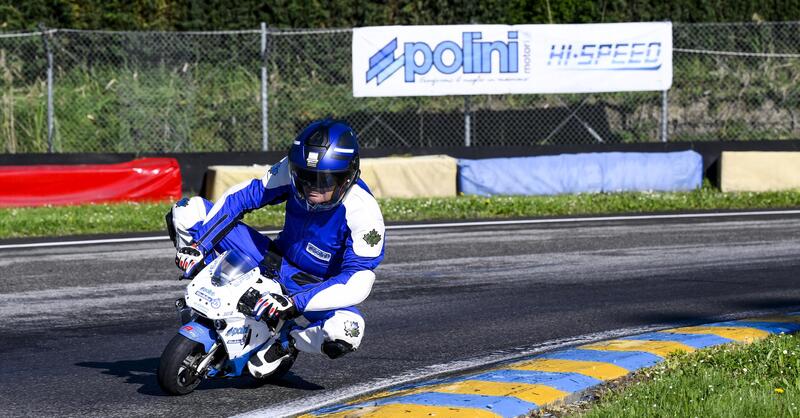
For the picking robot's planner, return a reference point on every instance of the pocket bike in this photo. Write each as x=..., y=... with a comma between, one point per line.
x=219, y=337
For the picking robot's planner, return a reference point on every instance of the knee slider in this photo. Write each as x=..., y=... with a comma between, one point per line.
x=337, y=348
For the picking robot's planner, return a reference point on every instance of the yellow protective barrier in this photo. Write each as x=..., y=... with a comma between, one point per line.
x=759, y=171
x=423, y=176
x=220, y=178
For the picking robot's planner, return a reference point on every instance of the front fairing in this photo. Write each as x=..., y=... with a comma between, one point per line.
x=214, y=294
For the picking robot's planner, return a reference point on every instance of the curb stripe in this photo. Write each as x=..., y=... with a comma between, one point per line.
x=692, y=340
x=629, y=360
x=595, y=369
x=410, y=410
x=499, y=405
x=740, y=333
x=658, y=348
x=565, y=382
x=771, y=327
x=517, y=388
x=473, y=385
x=533, y=393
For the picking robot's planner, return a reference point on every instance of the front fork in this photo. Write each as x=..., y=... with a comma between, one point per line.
x=200, y=370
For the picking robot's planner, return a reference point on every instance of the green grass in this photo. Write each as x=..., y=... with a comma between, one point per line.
x=143, y=217
x=754, y=380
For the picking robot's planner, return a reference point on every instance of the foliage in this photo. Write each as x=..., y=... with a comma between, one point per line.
x=247, y=14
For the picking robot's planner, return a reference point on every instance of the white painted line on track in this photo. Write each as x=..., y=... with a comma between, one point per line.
x=595, y=219
x=440, y=225
x=311, y=403
x=97, y=241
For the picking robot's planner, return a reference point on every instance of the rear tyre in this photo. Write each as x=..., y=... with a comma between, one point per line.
x=176, y=371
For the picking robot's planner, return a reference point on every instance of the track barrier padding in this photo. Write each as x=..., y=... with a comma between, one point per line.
x=220, y=178
x=146, y=179
x=423, y=176
x=582, y=173
x=759, y=171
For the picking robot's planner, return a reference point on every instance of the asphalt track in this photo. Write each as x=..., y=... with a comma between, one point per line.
x=83, y=326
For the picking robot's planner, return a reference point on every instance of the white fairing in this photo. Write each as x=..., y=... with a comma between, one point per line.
x=220, y=302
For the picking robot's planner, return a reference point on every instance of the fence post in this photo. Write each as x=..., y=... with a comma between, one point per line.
x=467, y=123
x=664, y=115
x=50, y=122
x=264, y=103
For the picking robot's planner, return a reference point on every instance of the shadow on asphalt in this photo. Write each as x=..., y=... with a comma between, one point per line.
x=787, y=302
x=783, y=304
x=143, y=372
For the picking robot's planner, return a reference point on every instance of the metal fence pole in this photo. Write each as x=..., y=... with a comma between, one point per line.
x=467, y=123
x=264, y=104
x=664, y=115
x=50, y=122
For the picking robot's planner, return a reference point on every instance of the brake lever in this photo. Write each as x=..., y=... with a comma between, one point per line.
x=193, y=272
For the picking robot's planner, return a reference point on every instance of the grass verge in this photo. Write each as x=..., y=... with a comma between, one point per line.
x=143, y=217
x=733, y=380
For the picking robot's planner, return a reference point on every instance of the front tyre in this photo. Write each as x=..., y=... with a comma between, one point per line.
x=177, y=369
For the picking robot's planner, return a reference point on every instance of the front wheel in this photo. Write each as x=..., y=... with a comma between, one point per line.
x=177, y=369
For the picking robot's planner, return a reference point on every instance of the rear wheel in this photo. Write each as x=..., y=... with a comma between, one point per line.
x=177, y=369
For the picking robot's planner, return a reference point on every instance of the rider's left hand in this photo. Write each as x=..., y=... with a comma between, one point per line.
x=272, y=305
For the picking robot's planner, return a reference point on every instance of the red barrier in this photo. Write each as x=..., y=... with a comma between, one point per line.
x=146, y=179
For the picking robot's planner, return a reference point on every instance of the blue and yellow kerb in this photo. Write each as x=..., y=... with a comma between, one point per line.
x=517, y=388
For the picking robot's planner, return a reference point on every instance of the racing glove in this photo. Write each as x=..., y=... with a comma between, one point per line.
x=188, y=258
x=273, y=305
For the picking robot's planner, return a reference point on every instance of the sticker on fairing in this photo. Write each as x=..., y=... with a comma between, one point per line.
x=316, y=252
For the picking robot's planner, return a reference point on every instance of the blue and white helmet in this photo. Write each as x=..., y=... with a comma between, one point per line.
x=324, y=158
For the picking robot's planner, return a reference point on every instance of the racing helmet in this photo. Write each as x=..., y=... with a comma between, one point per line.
x=324, y=158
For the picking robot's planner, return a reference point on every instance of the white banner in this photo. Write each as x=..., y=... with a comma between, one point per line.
x=500, y=59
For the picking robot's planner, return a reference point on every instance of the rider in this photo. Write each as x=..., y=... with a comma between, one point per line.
x=331, y=242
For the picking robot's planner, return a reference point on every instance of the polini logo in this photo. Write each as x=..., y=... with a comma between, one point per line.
x=473, y=56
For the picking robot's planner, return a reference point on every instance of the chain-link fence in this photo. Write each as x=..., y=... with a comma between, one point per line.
x=204, y=91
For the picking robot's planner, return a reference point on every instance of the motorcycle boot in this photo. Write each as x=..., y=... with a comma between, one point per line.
x=279, y=349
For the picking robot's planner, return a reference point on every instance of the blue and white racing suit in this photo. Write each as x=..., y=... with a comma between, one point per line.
x=328, y=256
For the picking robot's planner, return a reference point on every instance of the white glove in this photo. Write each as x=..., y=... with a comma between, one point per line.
x=188, y=258
x=272, y=305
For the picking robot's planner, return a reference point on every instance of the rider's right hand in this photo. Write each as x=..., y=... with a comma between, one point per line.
x=188, y=258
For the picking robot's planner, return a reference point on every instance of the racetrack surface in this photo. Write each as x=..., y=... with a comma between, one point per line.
x=83, y=326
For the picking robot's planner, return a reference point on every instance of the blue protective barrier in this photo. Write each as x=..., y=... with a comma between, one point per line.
x=582, y=173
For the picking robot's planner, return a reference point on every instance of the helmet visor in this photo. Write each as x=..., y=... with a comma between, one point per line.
x=308, y=181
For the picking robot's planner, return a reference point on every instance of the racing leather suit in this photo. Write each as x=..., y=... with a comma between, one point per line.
x=328, y=257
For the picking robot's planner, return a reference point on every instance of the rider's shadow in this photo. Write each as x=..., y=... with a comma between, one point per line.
x=143, y=372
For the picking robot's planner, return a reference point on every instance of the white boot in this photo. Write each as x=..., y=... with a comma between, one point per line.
x=278, y=351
